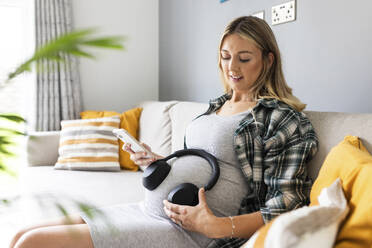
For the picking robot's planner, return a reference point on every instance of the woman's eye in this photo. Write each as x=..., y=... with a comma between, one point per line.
x=244, y=60
x=225, y=58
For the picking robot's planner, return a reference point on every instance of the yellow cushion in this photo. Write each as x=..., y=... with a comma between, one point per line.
x=129, y=120
x=262, y=234
x=352, y=163
x=90, y=114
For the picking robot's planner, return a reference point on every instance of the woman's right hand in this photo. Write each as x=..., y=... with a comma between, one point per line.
x=141, y=158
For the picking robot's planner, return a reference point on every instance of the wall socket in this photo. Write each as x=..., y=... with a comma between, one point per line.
x=260, y=14
x=282, y=13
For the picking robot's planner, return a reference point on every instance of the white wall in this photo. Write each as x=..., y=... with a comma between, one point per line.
x=326, y=52
x=118, y=80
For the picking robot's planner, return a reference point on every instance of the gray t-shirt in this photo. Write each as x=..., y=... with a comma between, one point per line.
x=145, y=224
x=214, y=134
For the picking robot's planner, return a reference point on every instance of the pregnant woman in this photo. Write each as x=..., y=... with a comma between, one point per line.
x=262, y=142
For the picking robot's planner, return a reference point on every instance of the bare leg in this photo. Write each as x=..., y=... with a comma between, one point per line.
x=73, y=219
x=60, y=236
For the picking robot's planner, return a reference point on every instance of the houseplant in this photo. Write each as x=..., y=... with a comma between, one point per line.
x=73, y=43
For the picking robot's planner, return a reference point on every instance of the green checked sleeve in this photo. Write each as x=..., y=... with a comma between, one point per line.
x=285, y=166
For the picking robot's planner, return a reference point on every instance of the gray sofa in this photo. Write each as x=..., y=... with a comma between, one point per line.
x=162, y=126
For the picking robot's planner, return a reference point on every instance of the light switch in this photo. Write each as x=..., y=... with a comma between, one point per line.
x=282, y=13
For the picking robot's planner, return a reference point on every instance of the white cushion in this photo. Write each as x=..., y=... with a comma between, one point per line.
x=181, y=115
x=42, y=148
x=155, y=126
x=301, y=227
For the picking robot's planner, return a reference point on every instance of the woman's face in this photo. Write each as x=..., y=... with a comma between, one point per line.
x=241, y=62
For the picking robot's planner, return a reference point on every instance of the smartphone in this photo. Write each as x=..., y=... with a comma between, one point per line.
x=124, y=136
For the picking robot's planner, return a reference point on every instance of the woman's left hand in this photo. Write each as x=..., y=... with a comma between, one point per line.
x=197, y=218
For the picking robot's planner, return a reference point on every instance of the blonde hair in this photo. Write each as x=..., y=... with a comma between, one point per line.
x=270, y=83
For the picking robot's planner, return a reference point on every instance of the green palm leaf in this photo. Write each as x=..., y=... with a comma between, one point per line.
x=12, y=117
x=69, y=44
x=3, y=150
x=11, y=131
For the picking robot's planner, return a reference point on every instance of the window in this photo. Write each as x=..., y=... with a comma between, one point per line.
x=16, y=45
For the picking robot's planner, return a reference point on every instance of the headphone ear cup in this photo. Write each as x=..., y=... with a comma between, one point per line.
x=184, y=194
x=155, y=174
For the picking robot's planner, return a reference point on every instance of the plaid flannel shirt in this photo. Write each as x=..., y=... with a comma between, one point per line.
x=273, y=144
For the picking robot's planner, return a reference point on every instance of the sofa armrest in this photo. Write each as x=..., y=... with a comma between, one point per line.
x=42, y=148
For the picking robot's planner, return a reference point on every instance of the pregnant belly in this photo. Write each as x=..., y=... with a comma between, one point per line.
x=224, y=198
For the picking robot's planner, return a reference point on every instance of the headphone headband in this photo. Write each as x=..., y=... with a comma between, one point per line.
x=200, y=153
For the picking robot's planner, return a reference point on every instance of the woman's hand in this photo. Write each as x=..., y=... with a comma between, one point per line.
x=141, y=158
x=198, y=218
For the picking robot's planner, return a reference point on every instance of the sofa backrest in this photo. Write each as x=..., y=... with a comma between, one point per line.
x=163, y=125
x=155, y=126
x=332, y=127
x=181, y=115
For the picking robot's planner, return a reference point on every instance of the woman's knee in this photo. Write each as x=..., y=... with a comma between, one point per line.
x=28, y=239
x=17, y=236
x=72, y=219
x=77, y=236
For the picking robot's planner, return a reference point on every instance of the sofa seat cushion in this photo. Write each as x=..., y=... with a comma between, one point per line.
x=45, y=184
x=97, y=188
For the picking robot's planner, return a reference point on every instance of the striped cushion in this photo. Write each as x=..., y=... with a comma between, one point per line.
x=89, y=145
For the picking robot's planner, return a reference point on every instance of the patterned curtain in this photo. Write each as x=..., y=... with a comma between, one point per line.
x=58, y=90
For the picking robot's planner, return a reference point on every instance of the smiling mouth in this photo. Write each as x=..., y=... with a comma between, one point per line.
x=236, y=79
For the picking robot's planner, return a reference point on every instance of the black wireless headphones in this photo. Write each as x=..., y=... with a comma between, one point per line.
x=185, y=193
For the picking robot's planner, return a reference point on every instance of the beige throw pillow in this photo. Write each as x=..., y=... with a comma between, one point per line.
x=89, y=145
